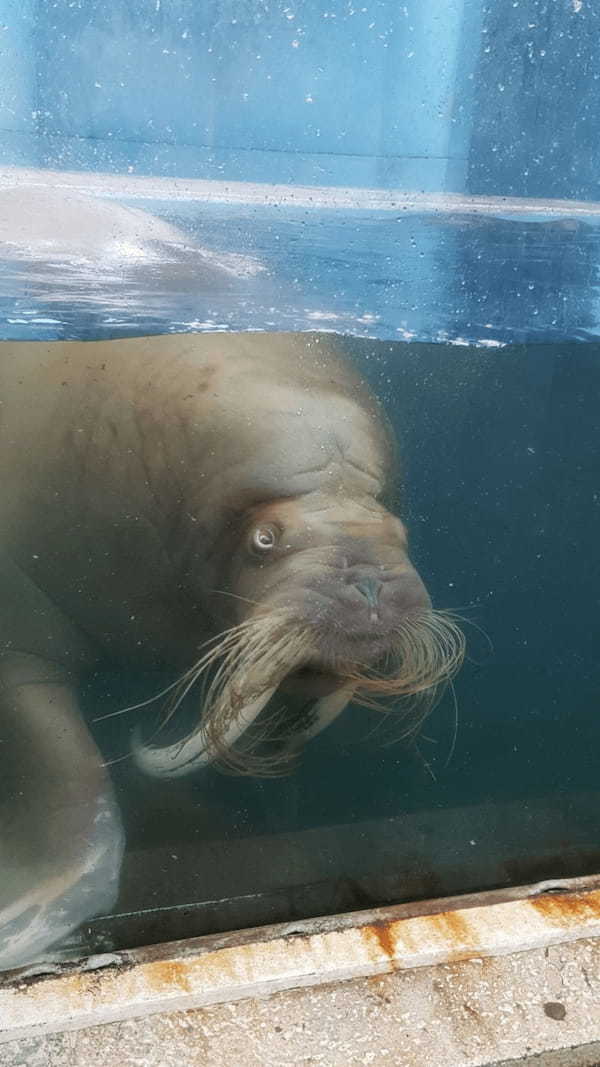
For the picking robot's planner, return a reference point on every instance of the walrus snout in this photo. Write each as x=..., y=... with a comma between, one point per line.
x=368, y=599
x=386, y=602
x=360, y=619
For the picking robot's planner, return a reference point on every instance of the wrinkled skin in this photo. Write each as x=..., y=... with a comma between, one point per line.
x=341, y=564
x=155, y=493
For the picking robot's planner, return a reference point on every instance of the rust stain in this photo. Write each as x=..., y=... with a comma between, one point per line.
x=455, y=927
x=460, y=940
x=449, y=929
x=81, y=986
x=380, y=937
x=166, y=975
x=567, y=909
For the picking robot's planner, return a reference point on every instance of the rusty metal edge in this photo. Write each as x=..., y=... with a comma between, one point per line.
x=255, y=963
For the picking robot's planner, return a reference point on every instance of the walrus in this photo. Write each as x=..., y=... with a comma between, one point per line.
x=215, y=505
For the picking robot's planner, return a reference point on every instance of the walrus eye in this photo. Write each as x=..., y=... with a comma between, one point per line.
x=264, y=538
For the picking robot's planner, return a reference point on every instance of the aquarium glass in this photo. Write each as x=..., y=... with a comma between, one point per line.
x=415, y=187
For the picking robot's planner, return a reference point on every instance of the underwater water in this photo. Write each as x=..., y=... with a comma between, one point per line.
x=501, y=787
x=490, y=378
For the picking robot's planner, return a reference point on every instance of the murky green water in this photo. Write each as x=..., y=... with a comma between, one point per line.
x=501, y=494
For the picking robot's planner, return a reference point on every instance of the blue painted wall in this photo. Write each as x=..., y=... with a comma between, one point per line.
x=536, y=121
x=455, y=95
x=18, y=76
x=321, y=92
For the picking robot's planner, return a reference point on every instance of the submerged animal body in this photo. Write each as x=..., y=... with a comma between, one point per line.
x=211, y=504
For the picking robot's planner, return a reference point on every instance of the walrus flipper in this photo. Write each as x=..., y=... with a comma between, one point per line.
x=60, y=836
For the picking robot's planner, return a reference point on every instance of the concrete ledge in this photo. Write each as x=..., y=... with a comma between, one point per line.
x=539, y=1008
x=257, y=963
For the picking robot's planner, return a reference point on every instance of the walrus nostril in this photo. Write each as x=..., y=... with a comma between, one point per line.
x=370, y=589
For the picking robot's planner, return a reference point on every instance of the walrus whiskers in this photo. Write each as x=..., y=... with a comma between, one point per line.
x=248, y=675
x=432, y=647
x=427, y=650
x=254, y=658
x=194, y=671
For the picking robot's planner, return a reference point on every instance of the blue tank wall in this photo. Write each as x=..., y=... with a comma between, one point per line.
x=454, y=95
x=537, y=114
x=321, y=92
x=18, y=75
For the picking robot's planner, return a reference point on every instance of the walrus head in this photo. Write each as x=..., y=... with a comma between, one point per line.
x=304, y=573
x=322, y=604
